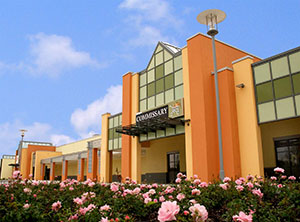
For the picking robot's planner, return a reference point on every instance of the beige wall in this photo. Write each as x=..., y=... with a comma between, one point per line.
x=155, y=158
x=77, y=146
x=58, y=169
x=6, y=171
x=72, y=168
x=272, y=130
x=39, y=155
x=23, y=162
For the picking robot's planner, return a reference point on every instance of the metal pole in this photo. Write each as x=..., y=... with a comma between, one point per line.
x=222, y=173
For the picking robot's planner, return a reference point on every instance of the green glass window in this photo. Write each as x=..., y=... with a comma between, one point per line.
x=179, y=92
x=169, y=95
x=151, y=64
x=110, y=144
x=295, y=62
x=179, y=129
x=158, y=49
x=160, y=133
x=266, y=112
x=167, y=55
x=116, y=121
x=296, y=83
x=169, y=67
x=178, y=77
x=170, y=131
x=116, y=143
x=159, y=72
x=110, y=134
x=285, y=108
x=111, y=123
x=143, y=137
x=169, y=81
x=159, y=58
x=297, y=100
x=282, y=87
x=151, y=135
x=280, y=67
x=116, y=135
x=151, y=102
x=159, y=85
x=143, y=79
x=143, y=92
x=151, y=89
x=178, y=62
x=262, y=73
x=264, y=92
x=143, y=105
x=151, y=76
x=120, y=120
x=160, y=99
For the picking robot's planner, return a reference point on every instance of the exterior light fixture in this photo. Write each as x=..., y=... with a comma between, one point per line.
x=211, y=18
x=242, y=85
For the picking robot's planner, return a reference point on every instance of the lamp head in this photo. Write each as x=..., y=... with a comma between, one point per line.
x=211, y=18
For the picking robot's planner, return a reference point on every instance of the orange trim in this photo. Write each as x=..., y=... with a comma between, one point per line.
x=126, y=120
x=43, y=171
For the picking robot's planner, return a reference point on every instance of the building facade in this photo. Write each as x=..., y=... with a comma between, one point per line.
x=6, y=169
x=168, y=122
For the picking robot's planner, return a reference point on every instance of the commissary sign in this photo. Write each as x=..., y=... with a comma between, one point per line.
x=161, y=112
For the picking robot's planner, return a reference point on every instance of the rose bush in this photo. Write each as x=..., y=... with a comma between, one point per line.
x=233, y=199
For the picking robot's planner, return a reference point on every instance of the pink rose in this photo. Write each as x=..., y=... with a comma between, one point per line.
x=223, y=186
x=161, y=199
x=26, y=206
x=178, y=180
x=196, y=182
x=199, y=212
x=226, y=180
x=105, y=208
x=292, y=178
x=114, y=187
x=239, y=188
x=168, y=211
x=238, y=182
x=279, y=170
x=242, y=217
x=16, y=174
x=196, y=192
x=257, y=192
x=180, y=196
x=147, y=200
x=273, y=178
x=104, y=219
x=56, y=206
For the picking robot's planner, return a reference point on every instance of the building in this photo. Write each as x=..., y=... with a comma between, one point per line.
x=6, y=169
x=168, y=122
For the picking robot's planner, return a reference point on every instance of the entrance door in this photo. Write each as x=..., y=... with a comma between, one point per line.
x=288, y=155
x=47, y=173
x=173, y=166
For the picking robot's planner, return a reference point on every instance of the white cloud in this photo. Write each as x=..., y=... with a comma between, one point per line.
x=53, y=54
x=43, y=132
x=88, y=121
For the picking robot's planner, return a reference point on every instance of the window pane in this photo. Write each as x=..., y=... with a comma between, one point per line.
x=143, y=105
x=151, y=89
x=151, y=76
x=116, y=121
x=151, y=102
x=120, y=120
x=110, y=144
x=262, y=73
x=282, y=87
x=159, y=58
x=178, y=77
x=179, y=129
x=116, y=135
x=111, y=123
x=120, y=142
x=159, y=48
x=116, y=143
x=151, y=135
x=179, y=92
x=297, y=99
x=160, y=99
x=159, y=85
x=151, y=64
x=159, y=71
x=280, y=67
x=169, y=81
x=266, y=112
x=295, y=62
x=110, y=133
x=160, y=133
x=143, y=137
x=143, y=79
x=170, y=131
x=167, y=55
x=296, y=83
x=169, y=95
x=143, y=92
x=285, y=108
x=169, y=67
x=178, y=62
x=264, y=92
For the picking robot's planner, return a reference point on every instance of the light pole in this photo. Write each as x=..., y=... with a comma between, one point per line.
x=211, y=18
x=23, y=131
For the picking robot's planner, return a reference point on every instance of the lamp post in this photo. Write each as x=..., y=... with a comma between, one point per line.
x=23, y=131
x=211, y=18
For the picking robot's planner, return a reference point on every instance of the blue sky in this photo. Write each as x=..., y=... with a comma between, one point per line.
x=61, y=62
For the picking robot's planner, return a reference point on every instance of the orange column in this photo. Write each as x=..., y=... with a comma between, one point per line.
x=52, y=171
x=64, y=170
x=126, y=120
x=43, y=171
x=98, y=166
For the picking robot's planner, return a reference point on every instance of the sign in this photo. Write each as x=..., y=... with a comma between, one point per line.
x=161, y=112
x=171, y=110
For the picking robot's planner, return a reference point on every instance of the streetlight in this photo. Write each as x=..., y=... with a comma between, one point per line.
x=23, y=131
x=211, y=18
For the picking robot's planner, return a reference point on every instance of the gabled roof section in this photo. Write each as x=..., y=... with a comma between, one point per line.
x=163, y=52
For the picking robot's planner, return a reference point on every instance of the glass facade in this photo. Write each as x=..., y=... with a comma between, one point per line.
x=277, y=86
x=161, y=83
x=114, y=138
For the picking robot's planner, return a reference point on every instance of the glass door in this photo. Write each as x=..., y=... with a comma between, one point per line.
x=173, y=166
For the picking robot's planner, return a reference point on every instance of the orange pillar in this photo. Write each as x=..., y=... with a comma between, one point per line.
x=94, y=163
x=52, y=171
x=126, y=120
x=98, y=165
x=64, y=170
x=43, y=171
x=80, y=169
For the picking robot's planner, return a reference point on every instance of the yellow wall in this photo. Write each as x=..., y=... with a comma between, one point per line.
x=249, y=132
x=77, y=146
x=58, y=169
x=72, y=168
x=39, y=155
x=155, y=158
x=6, y=171
x=23, y=162
x=272, y=130
x=116, y=163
